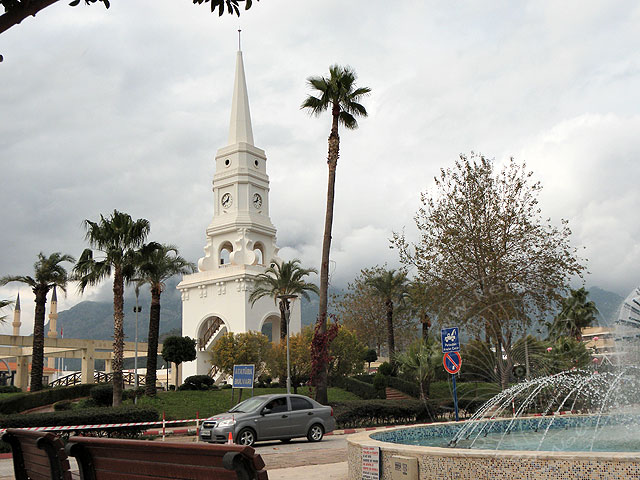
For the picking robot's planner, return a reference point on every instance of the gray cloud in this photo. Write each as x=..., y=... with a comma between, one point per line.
x=124, y=109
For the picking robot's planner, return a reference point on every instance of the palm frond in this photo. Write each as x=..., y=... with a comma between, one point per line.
x=18, y=278
x=285, y=278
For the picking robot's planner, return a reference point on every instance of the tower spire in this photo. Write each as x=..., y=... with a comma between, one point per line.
x=16, y=317
x=240, y=130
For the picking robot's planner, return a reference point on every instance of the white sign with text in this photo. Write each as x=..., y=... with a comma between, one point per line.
x=370, y=463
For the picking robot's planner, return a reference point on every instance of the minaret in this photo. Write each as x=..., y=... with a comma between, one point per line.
x=241, y=243
x=16, y=318
x=53, y=324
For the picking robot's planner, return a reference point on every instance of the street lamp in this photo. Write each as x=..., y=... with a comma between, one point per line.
x=136, y=309
x=287, y=314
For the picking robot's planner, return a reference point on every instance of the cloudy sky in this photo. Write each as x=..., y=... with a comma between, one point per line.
x=125, y=108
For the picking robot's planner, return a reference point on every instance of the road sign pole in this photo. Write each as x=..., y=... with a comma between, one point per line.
x=455, y=395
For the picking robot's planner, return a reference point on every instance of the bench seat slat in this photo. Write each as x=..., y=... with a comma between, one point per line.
x=161, y=469
x=141, y=460
x=181, y=456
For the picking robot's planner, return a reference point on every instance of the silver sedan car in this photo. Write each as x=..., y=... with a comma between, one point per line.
x=270, y=417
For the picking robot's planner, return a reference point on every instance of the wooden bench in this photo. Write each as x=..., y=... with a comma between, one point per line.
x=115, y=459
x=37, y=455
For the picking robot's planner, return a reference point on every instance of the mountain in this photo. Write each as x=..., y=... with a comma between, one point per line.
x=94, y=320
x=608, y=304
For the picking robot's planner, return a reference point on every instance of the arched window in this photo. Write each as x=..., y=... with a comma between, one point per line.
x=258, y=251
x=225, y=253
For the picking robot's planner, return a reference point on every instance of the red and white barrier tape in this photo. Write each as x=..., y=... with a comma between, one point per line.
x=63, y=428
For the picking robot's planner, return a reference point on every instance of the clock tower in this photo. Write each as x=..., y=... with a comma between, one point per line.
x=241, y=243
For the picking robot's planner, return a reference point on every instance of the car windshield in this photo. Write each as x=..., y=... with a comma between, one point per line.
x=248, y=405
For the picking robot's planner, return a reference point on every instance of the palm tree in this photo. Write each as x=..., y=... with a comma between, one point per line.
x=422, y=300
x=286, y=278
x=391, y=287
x=3, y=304
x=337, y=92
x=157, y=263
x=115, y=239
x=48, y=274
x=576, y=313
x=420, y=361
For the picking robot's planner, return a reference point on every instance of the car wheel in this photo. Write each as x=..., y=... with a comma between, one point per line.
x=315, y=433
x=246, y=437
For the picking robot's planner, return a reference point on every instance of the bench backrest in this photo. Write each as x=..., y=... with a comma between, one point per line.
x=37, y=455
x=111, y=459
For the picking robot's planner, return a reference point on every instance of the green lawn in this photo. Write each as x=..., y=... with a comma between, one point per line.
x=184, y=404
x=444, y=390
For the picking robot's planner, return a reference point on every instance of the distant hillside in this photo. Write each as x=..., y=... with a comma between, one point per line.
x=94, y=320
x=608, y=304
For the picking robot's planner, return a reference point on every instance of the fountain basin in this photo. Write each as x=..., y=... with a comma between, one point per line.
x=474, y=464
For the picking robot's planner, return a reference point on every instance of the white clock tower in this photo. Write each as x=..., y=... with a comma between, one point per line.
x=241, y=242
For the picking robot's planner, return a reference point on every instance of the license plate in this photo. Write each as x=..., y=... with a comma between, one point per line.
x=205, y=434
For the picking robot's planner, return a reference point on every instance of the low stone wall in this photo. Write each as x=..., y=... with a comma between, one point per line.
x=468, y=464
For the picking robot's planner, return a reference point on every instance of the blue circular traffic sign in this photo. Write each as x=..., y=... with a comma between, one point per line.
x=452, y=362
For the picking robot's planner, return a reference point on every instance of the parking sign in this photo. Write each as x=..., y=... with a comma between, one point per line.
x=450, y=340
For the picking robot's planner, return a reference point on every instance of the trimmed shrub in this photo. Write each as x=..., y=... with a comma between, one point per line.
x=385, y=369
x=87, y=403
x=363, y=390
x=197, y=382
x=91, y=416
x=27, y=401
x=131, y=393
x=380, y=382
x=372, y=413
x=102, y=394
x=63, y=405
x=9, y=389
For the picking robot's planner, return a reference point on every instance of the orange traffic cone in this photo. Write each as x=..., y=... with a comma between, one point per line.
x=230, y=440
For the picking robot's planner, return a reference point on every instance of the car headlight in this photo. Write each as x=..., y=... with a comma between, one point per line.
x=226, y=423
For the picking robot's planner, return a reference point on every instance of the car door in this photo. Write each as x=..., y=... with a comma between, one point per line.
x=301, y=416
x=274, y=421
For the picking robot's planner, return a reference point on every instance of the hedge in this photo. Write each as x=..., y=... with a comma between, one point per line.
x=89, y=416
x=361, y=389
x=365, y=377
x=27, y=401
x=372, y=413
x=410, y=388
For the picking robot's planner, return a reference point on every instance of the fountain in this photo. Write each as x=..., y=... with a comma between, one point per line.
x=574, y=424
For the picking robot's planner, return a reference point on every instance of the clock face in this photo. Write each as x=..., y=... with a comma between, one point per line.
x=226, y=200
x=257, y=200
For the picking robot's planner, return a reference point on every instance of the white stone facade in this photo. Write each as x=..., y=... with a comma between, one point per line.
x=241, y=242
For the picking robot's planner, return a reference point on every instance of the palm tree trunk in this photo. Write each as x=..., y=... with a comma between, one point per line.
x=426, y=323
x=37, y=359
x=332, y=161
x=152, y=341
x=118, y=334
x=283, y=321
x=390, y=335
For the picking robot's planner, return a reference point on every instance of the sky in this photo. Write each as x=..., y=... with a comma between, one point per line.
x=125, y=109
